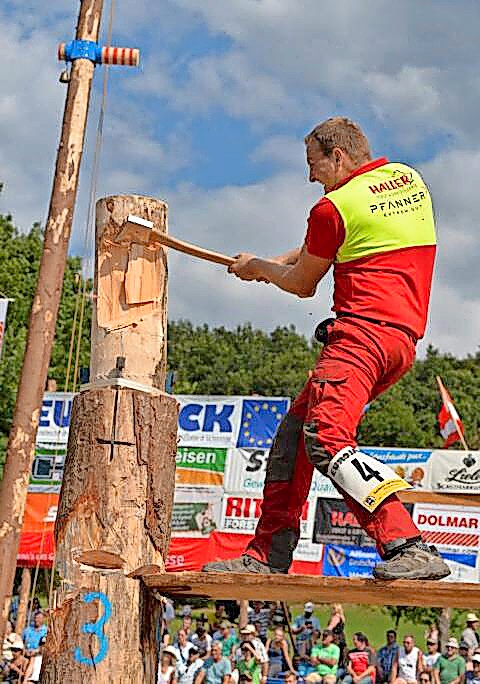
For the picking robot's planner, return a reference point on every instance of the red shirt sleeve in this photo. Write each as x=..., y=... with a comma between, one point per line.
x=325, y=232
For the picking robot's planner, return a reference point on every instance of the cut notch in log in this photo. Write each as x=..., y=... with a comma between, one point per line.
x=300, y=588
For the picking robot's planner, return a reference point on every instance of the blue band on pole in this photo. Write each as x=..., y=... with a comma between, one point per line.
x=83, y=49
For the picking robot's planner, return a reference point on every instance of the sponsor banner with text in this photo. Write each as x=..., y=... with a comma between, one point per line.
x=202, y=466
x=196, y=511
x=241, y=513
x=449, y=527
x=457, y=472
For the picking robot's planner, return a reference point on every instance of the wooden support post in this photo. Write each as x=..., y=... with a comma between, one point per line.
x=23, y=601
x=43, y=316
x=119, y=478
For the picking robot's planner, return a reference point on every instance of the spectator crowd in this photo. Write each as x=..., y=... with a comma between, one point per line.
x=271, y=648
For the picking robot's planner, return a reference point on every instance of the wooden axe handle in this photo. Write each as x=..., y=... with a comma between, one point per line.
x=193, y=250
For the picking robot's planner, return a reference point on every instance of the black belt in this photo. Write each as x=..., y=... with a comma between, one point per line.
x=321, y=331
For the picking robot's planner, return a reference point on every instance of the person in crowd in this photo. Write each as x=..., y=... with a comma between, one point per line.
x=34, y=667
x=187, y=626
x=8, y=640
x=244, y=678
x=449, y=668
x=465, y=653
x=408, y=663
x=219, y=616
x=361, y=662
x=32, y=635
x=249, y=633
x=228, y=641
x=249, y=662
x=291, y=677
x=325, y=658
x=425, y=678
x=216, y=669
x=182, y=646
x=431, y=656
x=278, y=655
x=193, y=667
x=202, y=639
x=17, y=667
x=34, y=608
x=337, y=625
x=303, y=627
x=473, y=677
x=470, y=633
x=168, y=614
x=167, y=666
x=386, y=655
x=259, y=616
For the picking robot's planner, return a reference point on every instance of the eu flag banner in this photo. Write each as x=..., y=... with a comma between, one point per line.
x=259, y=422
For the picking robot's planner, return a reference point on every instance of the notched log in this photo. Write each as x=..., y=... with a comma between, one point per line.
x=143, y=570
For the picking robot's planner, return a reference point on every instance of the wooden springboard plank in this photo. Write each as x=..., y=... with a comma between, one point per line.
x=300, y=588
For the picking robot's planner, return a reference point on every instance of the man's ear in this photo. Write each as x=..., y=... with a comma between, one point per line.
x=337, y=156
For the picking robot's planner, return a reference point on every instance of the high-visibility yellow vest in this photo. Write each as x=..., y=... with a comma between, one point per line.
x=384, y=209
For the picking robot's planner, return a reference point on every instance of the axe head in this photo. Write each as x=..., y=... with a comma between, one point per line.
x=139, y=230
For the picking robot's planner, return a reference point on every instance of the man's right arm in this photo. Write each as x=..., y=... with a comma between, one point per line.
x=289, y=258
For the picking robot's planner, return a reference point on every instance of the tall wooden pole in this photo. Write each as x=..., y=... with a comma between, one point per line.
x=43, y=316
x=23, y=601
x=119, y=478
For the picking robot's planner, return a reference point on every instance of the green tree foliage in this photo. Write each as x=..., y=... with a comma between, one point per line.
x=240, y=361
x=19, y=262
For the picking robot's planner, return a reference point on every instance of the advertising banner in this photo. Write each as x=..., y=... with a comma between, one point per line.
x=245, y=472
x=241, y=513
x=196, y=511
x=200, y=465
x=230, y=421
x=413, y=465
x=449, y=527
x=455, y=471
x=36, y=539
x=55, y=418
x=349, y=561
x=47, y=469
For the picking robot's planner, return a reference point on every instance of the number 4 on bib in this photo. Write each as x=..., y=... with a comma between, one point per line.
x=367, y=480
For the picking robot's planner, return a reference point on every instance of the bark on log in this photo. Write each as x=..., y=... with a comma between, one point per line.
x=114, y=515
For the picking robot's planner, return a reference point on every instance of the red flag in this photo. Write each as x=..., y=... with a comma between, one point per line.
x=451, y=426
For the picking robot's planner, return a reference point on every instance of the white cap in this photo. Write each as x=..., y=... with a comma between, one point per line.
x=18, y=643
x=171, y=650
x=471, y=617
x=248, y=629
x=452, y=642
x=309, y=606
x=476, y=658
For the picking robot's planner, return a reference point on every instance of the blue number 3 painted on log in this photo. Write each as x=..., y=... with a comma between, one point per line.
x=97, y=629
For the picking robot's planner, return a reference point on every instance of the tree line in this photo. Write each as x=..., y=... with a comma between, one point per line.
x=244, y=361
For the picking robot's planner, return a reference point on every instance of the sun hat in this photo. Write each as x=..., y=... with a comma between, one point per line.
x=452, y=642
x=171, y=651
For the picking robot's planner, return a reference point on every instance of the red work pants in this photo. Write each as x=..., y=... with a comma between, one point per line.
x=360, y=360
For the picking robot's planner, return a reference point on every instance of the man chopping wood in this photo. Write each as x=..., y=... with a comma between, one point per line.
x=375, y=225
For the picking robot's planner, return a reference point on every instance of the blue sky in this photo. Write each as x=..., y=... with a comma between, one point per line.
x=214, y=120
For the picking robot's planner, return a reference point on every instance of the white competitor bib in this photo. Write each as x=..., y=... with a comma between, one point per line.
x=367, y=480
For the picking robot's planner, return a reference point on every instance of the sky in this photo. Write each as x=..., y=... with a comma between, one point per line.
x=214, y=119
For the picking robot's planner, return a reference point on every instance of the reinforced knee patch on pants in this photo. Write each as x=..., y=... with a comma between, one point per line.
x=281, y=460
x=316, y=454
x=367, y=480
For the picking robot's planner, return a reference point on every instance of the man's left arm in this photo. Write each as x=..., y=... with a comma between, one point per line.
x=300, y=278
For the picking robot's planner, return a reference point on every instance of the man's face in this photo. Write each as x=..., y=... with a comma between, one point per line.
x=182, y=637
x=257, y=605
x=322, y=169
x=327, y=638
x=187, y=622
x=390, y=637
x=38, y=620
x=432, y=646
x=216, y=652
x=408, y=644
x=290, y=679
x=451, y=651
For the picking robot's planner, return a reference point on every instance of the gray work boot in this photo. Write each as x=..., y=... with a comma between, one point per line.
x=245, y=563
x=417, y=561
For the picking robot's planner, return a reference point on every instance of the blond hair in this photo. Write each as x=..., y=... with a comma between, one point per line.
x=341, y=132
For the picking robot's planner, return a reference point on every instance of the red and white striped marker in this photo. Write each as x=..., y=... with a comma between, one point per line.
x=121, y=56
